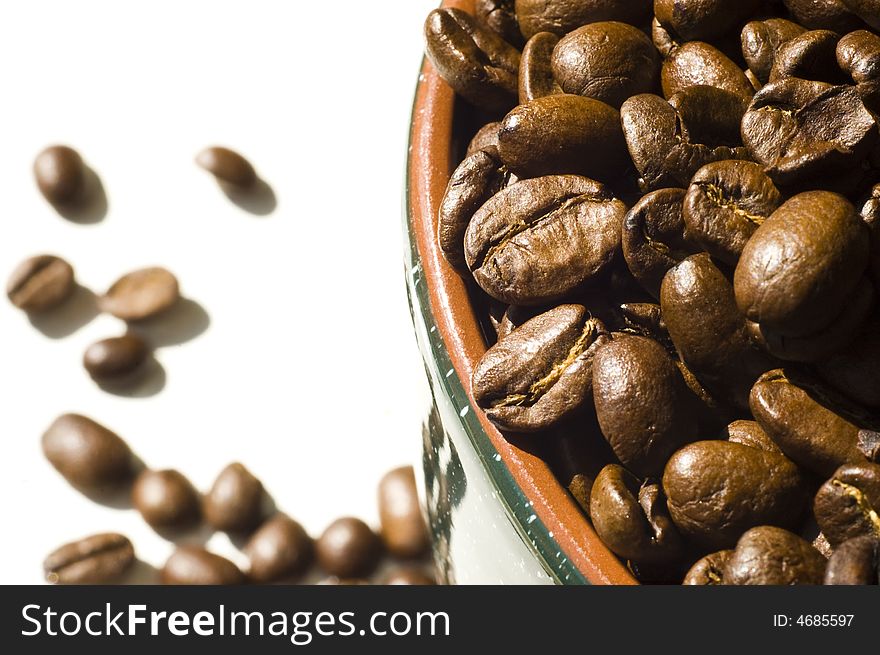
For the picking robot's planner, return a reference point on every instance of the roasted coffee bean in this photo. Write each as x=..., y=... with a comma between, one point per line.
x=476, y=62
x=645, y=319
x=824, y=15
x=479, y=177
x=235, y=500
x=563, y=134
x=563, y=16
x=61, y=175
x=806, y=421
x=408, y=576
x=535, y=72
x=403, y=527
x=515, y=316
x=800, y=267
x=279, y=550
x=663, y=40
x=191, y=565
x=608, y=61
x=768, y=555
x=700, y=64
x=750, y=433
x=760, y=41
x=227, y=166
x=699, y=20
x=789, y=130
x=655, y=237
x=485, y=137
x=670, y=141
x=541, y=373
x=500, y=17
x=848, y=505
x=717, y=489
x=809, y=56
x=165, y=499
x=41, y=283
x=542, y=239
x=708, y=570
x=348, y=549
x=855, y=562
x=858, y=54
x=141, y=294
x=725, y=203
x=867, y=10
x=98, y=559
x=88, y=455
x=644, y=408
x=631, y=518
x=116, y=358
x=709, y=333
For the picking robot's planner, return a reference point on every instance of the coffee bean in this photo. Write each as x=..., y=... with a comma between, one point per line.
x=809, y=56
x=500, y=17
x=60, y=174
x=541, y=239
x=408, y=576
x=858, y=53
x=867, y=10
x=708, y=570
x=485, y=137
x=480, y=65
x=643, y=406
x=235, y=500
x=855, y=562
x=789, y=130
x=348, y=548
x=535, y=73
x=563, y=134
x=801, y=265
x=750, y=433
x=698, y=20
x=87, y=454
x=700, y=64
x=646, y=320
x=192, y=565
x=280, y=549
x=479, y=177
x=769, y=555
x=608, y=61
x=98, y=559
x=824, y=15
x=116, y=358
x=717, y=489
x=227, y=166
x=541, y=373
x=563, y=16
x=41, y=283
x=725, y=203
x=760, y=41
x=848, y=505
x=631, y=518
x=806, y=421
x=141, y=294
x=708, y=331
x=663, y=39
x=165, y=499
x=400, y=514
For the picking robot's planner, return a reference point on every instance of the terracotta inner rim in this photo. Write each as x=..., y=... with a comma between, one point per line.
x=428, y=175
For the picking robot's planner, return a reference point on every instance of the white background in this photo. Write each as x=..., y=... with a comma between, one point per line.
x=307, y=371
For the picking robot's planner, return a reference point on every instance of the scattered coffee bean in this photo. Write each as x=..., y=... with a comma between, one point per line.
x=60, y=174
x=400, y=514
x=227, y=166
x=40, y=283
x=116, y=358
x=280, y=549
x=87, y=454
x=235, y=500
x=348, y=548
x=165, y=499
x=141, y=294
x=769, y=555
x=98, y=559
x=192, y=565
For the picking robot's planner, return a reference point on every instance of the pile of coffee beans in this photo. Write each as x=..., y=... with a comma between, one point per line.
x=670, y=210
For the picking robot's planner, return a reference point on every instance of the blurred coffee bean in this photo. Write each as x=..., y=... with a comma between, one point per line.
x=563, y=16
x=535, y=72
x=227, y=166
x=235, y=501
x=769, y=555
x=408, y=576
x=192, y=565
x=403, y=527
x=848, y=505
x=141, y=294
x=165, y=499
x=703, y=20
x=41, y=283
x=98, y=559
x=708, y=570
x=348, y=548
x=855, y=562
x=280, y=549
x=87, y=454
x=60, y=174
x=116, y=358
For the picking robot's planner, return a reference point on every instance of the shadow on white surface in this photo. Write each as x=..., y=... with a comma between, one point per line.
x=75, y=313
x=93, y=207
x=183, y=322
x=148, y=383
x=140, y=573
x=259, y=200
